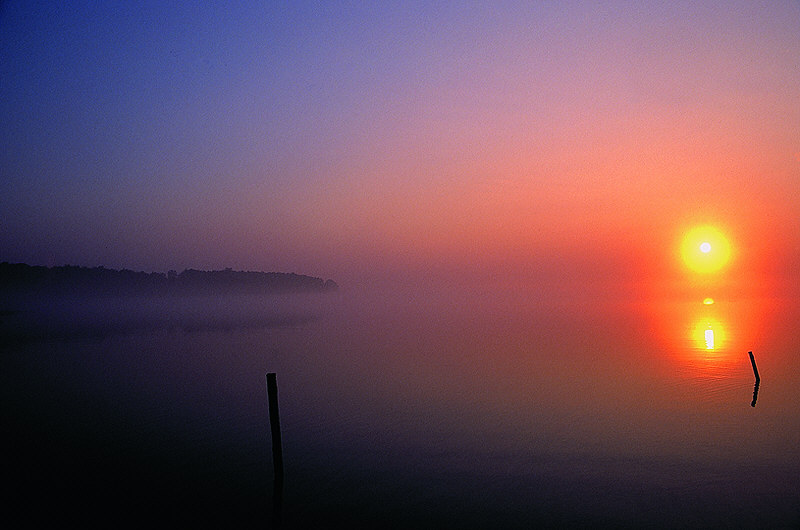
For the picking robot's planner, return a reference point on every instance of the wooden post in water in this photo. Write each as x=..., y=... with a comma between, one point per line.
x=277, y=450
x=753, y=362
x=758, y=379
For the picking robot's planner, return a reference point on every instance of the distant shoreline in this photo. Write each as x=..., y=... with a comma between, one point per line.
x=20, y=278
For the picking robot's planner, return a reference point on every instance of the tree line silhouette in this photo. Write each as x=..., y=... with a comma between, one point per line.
x=68, y=280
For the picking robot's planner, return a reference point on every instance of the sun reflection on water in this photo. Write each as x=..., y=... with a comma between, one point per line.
x=708, y=334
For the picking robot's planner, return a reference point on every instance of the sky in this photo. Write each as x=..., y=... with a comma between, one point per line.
x=351, y=140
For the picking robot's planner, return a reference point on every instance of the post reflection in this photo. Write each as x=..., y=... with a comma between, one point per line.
x=755, y=393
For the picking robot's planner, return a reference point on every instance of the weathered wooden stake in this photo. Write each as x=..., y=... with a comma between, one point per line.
x=755, y=394
x=277, y=450
x=753, y=362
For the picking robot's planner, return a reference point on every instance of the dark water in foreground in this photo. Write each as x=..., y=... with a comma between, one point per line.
x=469, y=410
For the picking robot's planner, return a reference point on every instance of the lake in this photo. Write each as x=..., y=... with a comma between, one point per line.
x=407, y=407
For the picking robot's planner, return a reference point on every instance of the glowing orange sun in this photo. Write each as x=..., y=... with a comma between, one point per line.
x=705, y=249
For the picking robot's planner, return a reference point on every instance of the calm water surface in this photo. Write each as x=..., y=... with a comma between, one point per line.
x=413, y=409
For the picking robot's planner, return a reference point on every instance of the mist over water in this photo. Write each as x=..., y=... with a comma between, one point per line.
x=412, y=406
x=525, y=206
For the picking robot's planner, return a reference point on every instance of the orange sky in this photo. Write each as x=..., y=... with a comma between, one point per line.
x=353, y=142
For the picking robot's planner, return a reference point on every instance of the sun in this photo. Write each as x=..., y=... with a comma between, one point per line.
x=705, y=249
